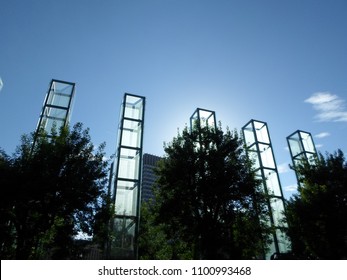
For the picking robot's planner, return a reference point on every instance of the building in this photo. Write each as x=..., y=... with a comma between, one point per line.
x=148, y=176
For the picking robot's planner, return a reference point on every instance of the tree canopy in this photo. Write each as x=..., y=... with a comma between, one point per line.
x=50, y=192
x=317, y=215
x=208, y=204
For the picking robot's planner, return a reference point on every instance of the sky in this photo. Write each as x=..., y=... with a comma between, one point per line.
x=277, y=61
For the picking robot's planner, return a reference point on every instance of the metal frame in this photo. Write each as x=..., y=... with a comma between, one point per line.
x=301, y=152
x=126, y=192
x=203, y=118
x=258, y=144
x=51, y=103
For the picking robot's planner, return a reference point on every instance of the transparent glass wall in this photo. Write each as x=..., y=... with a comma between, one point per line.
x=301, y=147
x=259, y=150
x=127, y=178
x=57, y=106
x=203, y=118
x=132, y=133
x=272, y=182
x=126, y=198
x=261, y=132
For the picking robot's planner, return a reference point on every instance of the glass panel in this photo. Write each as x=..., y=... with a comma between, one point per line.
x=266, y=156
x=253, y=156
x=277, y=211
x=206, y=118
x=272, y=183
x=49, y=123
x=131, y=134
x=258, y=175
x=55, y=113
x=271, y=248
x=295, y=146
x=58, y=99
x=249, y=135
x=311, y=158
x=194, y=119
x=307, y=142
x=125, y=233
x=126, y=198
x=133, y=107
x=261, y=132
x=128, y=164
x=298, y=159
x=283, y=241
x=63, y=88
x=261, y=187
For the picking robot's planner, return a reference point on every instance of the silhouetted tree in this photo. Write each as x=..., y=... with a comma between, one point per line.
x=101, y=231
x=52, y=191
x=317, y=215
x=7, y=236
x=208, y=204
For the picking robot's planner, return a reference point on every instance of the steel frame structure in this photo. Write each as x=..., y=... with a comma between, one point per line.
x=57, y=107
x=202, y=118
x=301, y=147
x=126, y=185
x=259, y=149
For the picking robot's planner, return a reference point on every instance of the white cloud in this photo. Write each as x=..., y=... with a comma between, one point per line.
x=322, y=135
x=291, y=188
x=283, y=168
x=1, y=84
x=318, y=146
x=330, y=107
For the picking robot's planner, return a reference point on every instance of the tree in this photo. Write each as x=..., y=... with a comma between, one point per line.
x=7, y=237
x=52, y=189
x=317, y=214
x=208, y=203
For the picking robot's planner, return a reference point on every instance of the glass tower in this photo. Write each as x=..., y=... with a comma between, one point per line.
x=56, y=110
x=301, y=147
x=203, y=118
x=200, y=119
x=126, y=192
x=259, y=149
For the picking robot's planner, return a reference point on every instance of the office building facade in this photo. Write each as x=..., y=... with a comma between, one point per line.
x=148, y=177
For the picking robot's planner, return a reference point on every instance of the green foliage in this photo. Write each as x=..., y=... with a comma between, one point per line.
x=53, y=189
x=317, y=214
x=208, y=204
x=6, y=198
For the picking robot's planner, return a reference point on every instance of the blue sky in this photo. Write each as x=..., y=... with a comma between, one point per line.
x=282, y=62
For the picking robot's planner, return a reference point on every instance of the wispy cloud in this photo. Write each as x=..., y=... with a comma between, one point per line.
x=291, y=188
x=318, y=146
x=322, y=135
x=283, y=168
x=330, y=107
